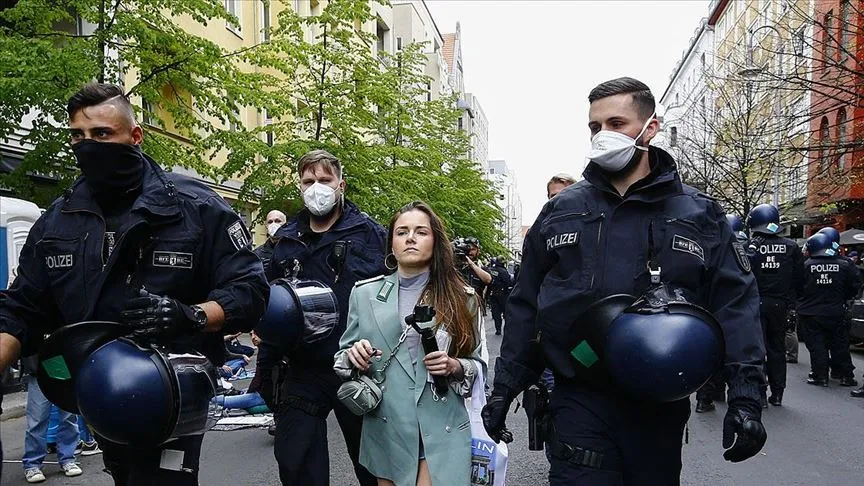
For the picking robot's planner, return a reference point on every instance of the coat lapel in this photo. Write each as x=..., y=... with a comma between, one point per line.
x=385, y=308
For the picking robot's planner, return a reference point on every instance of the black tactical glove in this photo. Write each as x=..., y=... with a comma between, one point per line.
x=153, y=316
x=744, y=419
x=494, y=415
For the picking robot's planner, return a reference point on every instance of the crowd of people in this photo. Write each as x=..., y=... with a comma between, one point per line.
x=629, y=245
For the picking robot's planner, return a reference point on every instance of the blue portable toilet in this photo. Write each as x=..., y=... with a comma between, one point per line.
x=16, y=218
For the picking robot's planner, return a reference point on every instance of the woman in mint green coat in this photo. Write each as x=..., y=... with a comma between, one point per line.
x=415, y=435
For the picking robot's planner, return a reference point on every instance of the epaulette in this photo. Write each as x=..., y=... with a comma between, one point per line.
x=368, y=280
x=469, y=290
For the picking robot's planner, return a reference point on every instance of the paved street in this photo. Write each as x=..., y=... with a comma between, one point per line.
x=816, y=438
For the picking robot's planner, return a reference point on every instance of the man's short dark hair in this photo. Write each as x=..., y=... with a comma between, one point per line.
x=642, y=96
x=320, y=158
x=93, y=94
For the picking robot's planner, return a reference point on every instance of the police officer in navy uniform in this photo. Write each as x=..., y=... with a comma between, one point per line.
x=716, y=386
x=831, y=280
x=778, y=266
x=498, y=291
x=595, y=239
x=332, y=242
x=123, y=226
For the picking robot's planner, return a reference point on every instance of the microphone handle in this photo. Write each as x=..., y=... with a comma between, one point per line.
x=430, y=344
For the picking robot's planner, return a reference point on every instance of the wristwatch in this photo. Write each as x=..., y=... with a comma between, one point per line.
x=199, y=316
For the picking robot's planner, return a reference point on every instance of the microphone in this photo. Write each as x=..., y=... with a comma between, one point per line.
x=423, y=314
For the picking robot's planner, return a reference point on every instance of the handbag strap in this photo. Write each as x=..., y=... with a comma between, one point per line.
x=392, y=355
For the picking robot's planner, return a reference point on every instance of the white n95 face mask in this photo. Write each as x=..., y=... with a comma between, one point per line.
x=272, y=228
x=319, y=199
x=612, y=150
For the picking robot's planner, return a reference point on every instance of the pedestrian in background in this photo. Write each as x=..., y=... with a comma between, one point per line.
x=416, y=435
x=557, y=183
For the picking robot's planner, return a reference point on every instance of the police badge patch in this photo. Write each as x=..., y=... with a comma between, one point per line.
x=239, y=236
x=687, y=245
x=172, y=259
x=741, y=256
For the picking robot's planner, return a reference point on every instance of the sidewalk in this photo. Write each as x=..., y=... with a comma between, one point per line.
x=13, y=405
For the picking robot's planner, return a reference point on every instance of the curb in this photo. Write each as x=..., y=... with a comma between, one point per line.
x=13, y=412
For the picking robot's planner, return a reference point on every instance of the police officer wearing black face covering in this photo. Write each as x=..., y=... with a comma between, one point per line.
x=498, y=291
x=778, y=266
x=629, y=221
x=123, y=226
x=831, y=280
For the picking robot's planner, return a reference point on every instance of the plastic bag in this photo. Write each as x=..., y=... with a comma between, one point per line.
x=488, y=459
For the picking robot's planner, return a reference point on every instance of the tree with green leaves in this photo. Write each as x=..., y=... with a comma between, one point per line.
x=50, y=48
x=332, y=92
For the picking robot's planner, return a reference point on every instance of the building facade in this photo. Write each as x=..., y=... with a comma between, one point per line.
x=510, y=204
x=836, y=189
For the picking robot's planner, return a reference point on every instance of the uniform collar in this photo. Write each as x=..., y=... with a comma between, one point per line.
x=158, y=195
x=660, y=183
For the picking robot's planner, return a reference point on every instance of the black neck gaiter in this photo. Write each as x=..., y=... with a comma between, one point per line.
x=112, y=170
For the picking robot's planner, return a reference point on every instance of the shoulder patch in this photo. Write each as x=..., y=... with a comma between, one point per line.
x=368, y=280
x=239, y=235
x=469, y=290
x=384, y=291
x=741, y=256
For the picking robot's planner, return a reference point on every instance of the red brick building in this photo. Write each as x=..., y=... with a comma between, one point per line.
x=835, y=189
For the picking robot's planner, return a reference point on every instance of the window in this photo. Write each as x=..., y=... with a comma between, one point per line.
x=268, y=135
x=398, y=43
x=233, y=8
x=428, y=91
x=702, y=60
x=845, y=27
x=824, y=140
x=237, y=125
x=148, y=113
x=265, y=20
x=460, y=124
x=827, y=45
x=841, y=139
x=673, y=137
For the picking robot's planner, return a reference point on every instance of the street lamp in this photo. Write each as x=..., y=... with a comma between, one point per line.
x=750, y=73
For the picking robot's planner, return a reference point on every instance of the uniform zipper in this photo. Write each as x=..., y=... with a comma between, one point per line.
x=597, y=250
x=567, y=215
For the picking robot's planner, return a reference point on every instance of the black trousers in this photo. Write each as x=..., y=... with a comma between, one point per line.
x=713, y=390
x=773, y=316
x=131, y=466
x=496, y=303
x=301, y=434
x=640, y=443
x=826, y=334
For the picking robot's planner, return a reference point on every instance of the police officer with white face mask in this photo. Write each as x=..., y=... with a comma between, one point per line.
x=275, y=220
x=628, y=226
x=332, y=242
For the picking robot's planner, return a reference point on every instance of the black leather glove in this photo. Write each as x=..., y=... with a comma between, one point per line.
x=494, y=415
x=153, y=316
x=744, y=419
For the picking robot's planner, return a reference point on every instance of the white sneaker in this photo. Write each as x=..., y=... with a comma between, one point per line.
x=34, y=475
x=71, y=469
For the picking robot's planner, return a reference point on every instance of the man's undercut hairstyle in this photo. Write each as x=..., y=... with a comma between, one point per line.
x=93, y=94
x=320, y=158
x=642, y=96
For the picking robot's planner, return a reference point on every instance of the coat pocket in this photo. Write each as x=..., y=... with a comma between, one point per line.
x=64, y=261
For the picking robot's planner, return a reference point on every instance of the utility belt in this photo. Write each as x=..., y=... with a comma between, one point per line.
x=580, y=456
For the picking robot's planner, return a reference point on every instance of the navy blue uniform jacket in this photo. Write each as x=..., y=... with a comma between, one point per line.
x=365, y=241
x=589, y=242
x=830, y=282
x=181, y=240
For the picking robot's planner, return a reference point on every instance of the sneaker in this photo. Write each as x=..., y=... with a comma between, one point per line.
x=71, y=469
x=34, y=475
x=703, y=406
x=88, y=448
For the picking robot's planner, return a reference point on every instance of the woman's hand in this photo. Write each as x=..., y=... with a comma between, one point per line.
x=439, y=364
x=361, y=353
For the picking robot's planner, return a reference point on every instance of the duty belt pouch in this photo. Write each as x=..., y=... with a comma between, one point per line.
x=360, y=395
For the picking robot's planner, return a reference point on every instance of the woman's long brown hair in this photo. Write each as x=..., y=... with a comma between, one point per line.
x=446, y=289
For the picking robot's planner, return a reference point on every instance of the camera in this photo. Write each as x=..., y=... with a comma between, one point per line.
x=461, y=249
